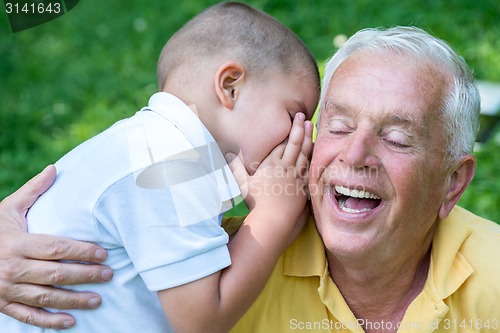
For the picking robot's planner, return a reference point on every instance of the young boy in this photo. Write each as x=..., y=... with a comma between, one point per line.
x=152, y=188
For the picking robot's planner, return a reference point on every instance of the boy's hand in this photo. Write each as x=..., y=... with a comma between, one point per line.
x=276, y=195
x=280, y=182
x=28, y=266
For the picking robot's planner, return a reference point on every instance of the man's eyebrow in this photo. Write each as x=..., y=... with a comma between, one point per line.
x=401, y=119
x=404, y=120
x=331, y=108
x=397, y=118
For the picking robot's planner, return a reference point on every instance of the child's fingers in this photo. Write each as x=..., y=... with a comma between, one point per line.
x=277, y=152
x=295, y=139
x=307, y=146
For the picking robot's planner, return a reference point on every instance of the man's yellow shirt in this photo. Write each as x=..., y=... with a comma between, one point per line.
x=461, y=293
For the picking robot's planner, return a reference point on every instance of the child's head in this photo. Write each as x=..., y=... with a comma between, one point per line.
x=247, y=75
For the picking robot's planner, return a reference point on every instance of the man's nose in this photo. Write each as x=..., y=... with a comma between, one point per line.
x=359, y=150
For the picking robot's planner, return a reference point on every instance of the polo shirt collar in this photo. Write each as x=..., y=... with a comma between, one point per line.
x=187, y=121
x=181, y=115
x=449, y=269
x=306, y=256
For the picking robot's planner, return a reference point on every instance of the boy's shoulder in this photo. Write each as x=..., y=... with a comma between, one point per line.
x=145, y=133
x=127, y=146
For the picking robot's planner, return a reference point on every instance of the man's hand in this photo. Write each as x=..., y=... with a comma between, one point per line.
x=29, y=266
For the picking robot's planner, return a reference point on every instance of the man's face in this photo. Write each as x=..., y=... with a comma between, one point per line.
x=378, y=175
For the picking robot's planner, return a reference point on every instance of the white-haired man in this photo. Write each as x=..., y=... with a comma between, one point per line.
x=393, y=155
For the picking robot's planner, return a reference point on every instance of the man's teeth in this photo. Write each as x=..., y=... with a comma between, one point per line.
x=346, y=192
x=350, y=210
x=355, y=193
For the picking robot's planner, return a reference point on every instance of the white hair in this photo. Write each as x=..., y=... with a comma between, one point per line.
x=461, y=105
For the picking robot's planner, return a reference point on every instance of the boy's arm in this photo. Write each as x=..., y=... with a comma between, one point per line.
x=216, y=303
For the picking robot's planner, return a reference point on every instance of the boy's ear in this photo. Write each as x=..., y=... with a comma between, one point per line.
x=458, y=181
x=228, y=79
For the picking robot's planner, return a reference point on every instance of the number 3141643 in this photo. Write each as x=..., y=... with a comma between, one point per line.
x=33, y=8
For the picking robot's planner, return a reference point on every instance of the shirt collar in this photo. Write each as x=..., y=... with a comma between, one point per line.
x=204, y=148
x=306, y=256
x=449, y=269
x=181, y=115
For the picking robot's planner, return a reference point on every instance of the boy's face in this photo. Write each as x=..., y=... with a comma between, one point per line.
x=265, y=111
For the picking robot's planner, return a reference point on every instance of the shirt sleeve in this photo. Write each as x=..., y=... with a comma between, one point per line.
x=170, y=231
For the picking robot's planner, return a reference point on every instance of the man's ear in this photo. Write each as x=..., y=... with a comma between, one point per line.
x=228, y=79
x=459, y=179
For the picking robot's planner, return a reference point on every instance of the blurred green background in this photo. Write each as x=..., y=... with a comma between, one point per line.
x=66, y=80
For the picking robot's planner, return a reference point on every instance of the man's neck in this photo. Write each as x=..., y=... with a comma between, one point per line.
x=381, y=291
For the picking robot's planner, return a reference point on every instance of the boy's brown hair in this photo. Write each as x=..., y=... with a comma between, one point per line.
x=239, y=31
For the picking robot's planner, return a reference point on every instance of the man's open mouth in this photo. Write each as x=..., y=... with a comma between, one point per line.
x=355, y=201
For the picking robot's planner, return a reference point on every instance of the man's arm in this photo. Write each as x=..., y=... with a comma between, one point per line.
x=28, y=264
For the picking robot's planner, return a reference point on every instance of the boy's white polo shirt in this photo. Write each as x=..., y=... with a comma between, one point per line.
x=151, y=190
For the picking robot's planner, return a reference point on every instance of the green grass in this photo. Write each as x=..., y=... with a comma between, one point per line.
x=66, y=80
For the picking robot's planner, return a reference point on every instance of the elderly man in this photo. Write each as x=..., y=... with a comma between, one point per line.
x=387, y=250
x=399, y=113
